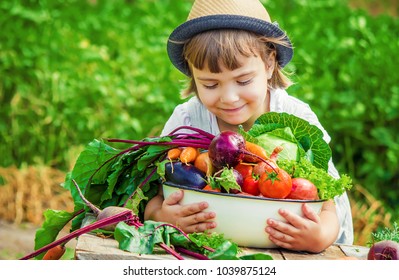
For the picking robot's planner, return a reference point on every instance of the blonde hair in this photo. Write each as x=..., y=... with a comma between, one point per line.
x=221, y=47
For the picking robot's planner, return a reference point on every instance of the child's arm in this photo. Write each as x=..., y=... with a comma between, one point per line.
x=190, y=218
x=312, y=233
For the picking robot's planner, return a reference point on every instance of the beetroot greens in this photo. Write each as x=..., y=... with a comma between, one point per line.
x=201, y=246
x=227, y=179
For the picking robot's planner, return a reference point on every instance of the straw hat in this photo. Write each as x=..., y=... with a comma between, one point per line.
x=206, y=15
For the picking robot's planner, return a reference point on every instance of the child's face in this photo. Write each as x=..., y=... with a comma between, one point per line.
x=235, y=96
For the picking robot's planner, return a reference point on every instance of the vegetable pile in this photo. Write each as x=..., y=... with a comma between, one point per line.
x=281, y=157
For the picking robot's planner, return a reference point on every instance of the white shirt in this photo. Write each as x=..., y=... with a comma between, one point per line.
x=194, y=113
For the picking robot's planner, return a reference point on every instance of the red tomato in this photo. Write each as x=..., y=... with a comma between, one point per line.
x=251, y=185
x=244, y=169
x=275, y=185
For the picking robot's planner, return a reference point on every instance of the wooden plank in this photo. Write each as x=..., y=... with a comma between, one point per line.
x=91, y=247
x=359, y=252
x=331, y=253
x=274, y=253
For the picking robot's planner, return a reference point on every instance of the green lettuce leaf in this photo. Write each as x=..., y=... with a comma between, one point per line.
x=327, y=186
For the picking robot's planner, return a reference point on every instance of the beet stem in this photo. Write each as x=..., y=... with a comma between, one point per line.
x=210, y=249
x=186, y=251
x=141, y=185
x=175, y=227
x=123, y=216
x=88, y=203
x=190, y=136
x=108, y=160
x=196, y=143
x=195, y=255
x=171, y=251
x=200, y=131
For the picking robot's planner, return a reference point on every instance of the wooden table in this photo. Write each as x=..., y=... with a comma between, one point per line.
x=92, y=247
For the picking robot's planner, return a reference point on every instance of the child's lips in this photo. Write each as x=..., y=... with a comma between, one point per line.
x=233, y=110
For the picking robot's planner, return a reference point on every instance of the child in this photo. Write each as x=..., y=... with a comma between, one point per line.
x=234, y=57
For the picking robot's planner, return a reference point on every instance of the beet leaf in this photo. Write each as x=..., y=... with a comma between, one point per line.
x=142, y=240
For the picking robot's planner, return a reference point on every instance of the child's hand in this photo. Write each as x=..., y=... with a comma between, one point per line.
x=190, y=218
x=299, y=233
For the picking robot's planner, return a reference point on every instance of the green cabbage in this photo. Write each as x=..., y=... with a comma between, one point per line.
x=298, y=137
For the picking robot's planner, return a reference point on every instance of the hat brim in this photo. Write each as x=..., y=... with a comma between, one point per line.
x=195, y=26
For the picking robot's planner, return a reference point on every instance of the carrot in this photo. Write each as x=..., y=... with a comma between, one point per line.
x=203, y=163
x=275, y=152
x=256, y=150
x=210, y=189
x=55, y=253
x=174, y=153
x=188, y=154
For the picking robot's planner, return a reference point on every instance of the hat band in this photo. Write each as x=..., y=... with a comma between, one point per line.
x=195, y=26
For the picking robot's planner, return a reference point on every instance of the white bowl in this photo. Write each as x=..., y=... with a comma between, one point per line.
x=240, y=218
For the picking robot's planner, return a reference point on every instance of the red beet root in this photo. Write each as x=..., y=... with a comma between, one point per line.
x=303, y=189
x=384, y=250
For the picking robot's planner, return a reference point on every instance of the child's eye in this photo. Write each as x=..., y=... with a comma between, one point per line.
x=213, y=86
x=243, y=83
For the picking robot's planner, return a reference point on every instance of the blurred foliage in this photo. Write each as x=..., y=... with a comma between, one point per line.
x=74, y=70
x=71, y=71
x=377, y=7
x=344, y=65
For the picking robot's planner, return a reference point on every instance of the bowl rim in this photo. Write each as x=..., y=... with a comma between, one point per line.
x=170, y=184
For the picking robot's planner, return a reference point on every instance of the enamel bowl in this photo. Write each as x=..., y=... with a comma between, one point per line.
x=240, y=218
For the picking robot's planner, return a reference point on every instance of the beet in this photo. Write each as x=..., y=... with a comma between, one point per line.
x=104, y=213
x=384, y=250
x=227, y=149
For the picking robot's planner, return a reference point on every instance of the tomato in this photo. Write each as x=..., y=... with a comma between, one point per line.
x=251, y=185
x=275, y=185
x=244, y=169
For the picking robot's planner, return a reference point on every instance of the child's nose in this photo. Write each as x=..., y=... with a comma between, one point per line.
x=230, y=95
